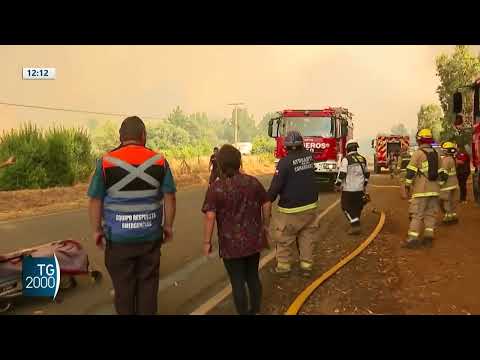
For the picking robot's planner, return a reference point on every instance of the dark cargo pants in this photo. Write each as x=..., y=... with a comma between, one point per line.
x=352, y=206
x=135, y=271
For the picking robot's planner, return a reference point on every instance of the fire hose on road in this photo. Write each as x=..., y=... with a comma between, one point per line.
x=305, y=294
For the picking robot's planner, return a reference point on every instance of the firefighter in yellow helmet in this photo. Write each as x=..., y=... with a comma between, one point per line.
x=422, y=181
x=449, y=195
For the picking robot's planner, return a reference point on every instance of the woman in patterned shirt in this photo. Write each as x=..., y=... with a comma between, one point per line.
x=239, y=204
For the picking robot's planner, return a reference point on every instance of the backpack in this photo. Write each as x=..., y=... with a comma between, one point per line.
x=432, y=158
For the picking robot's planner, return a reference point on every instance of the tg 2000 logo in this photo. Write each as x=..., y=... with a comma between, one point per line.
x=40, y=276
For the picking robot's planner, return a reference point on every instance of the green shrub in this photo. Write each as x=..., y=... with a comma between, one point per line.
x=263, y=145
x=55, y=157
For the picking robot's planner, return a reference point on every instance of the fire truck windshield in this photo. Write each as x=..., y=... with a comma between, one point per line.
x=310, y=126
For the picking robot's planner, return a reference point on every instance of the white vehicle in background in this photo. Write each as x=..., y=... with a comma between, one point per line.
x=245, y=148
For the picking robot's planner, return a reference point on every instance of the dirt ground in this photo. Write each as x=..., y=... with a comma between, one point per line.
x=385, y=278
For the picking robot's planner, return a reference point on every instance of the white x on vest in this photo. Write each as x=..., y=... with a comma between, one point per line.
x=134, y=172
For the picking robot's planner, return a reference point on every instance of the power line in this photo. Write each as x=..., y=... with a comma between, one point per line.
x=75, y=111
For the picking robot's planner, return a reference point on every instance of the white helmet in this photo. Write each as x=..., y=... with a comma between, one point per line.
x=352, y=145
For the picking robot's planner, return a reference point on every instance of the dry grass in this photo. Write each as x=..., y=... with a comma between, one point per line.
x=15, y=204
x=195, y=171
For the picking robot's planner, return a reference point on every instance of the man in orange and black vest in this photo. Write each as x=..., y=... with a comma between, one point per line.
x=133, y=193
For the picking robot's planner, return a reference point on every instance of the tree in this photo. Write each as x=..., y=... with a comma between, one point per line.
x=246, y=125
x=197, y=125
x=430, y=116
x=399, y=129
x=262, y=127
x=164, y=135
x=177, y=118
x=105, y=137
x=263, y=144
x=92, y=124
x=456, y=70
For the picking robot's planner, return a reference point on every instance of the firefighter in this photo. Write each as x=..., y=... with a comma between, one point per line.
x=393, y=164
x=449, y=191
x=213, y=166
x=403, y=160
x=422, y=182
x=8, y=162
x=133, y=192
x=294, y=182
x=353, y=179
x=402, y=171
x=463, y=172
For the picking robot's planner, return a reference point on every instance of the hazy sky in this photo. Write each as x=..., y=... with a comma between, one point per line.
x=381, y=85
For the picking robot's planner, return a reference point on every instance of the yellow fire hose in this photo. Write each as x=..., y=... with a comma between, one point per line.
x=305, y=294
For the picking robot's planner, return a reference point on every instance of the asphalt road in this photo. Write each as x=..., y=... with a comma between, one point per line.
x=187, y=277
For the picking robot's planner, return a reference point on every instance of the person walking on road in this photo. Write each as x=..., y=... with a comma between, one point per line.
x=393, y=164
x=8, y=162
x=353, y=179
x=422, y=183
x=213, y=166
x=240, y=206
x=294, y=183
x=449, y=191
x=463, y=172
x=133, y=193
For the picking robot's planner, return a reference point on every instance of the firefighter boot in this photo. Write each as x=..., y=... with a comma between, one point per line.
x=306, y=268
x=354, y=230
x=453, y=218
x=447, y=219
x=428, y=237
x=282, y=269
x=412, y=241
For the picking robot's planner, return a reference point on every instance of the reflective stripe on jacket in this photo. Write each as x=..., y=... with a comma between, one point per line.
x=449, y=164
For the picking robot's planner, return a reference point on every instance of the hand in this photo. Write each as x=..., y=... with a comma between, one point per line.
x=266, y=233
x=99, y=238
x=207, y=248
x=338, y=188
x=11, y=160
x=167, y=234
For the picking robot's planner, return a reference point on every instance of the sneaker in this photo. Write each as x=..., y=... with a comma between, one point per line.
x=411, y=244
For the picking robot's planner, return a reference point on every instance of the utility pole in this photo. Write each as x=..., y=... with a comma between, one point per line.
x=235, y=130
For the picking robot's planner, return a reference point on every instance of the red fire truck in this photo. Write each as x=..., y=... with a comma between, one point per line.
x=385, y=146
x=325, y=133
x=458, y=108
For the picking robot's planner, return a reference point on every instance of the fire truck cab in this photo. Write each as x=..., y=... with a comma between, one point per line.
x=385, y=146
x=325, y=133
